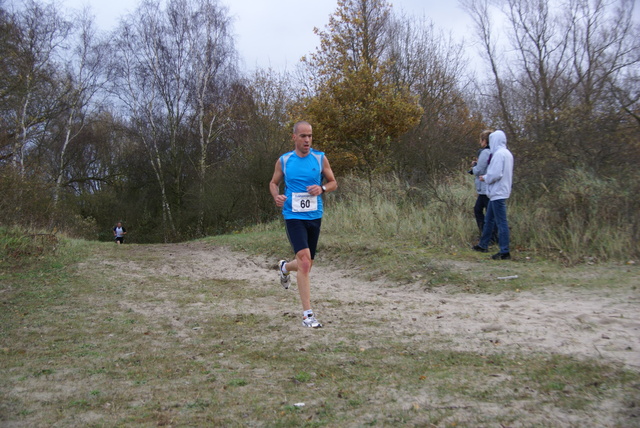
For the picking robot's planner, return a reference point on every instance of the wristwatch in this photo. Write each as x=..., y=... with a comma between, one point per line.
x=324, y=188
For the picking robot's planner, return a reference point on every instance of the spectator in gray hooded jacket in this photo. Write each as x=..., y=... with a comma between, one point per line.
x=498, y=178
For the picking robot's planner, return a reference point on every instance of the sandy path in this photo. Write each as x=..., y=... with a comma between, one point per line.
x=597, y=324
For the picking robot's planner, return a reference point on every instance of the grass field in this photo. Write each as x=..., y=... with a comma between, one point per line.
x=192, y=334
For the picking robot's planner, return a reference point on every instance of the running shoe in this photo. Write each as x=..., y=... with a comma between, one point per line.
x=285, y=278
x=311, y=322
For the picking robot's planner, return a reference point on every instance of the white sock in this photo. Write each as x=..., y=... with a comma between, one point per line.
x=284, y=269
x=308, y=313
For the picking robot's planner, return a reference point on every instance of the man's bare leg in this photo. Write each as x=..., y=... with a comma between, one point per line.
x=302, y=266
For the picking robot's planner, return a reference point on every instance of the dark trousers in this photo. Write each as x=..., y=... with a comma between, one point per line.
x=496, y=216
x=482, y=202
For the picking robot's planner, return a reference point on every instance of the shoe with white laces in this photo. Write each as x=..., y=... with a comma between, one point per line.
x=285, y=278
x=311, y=321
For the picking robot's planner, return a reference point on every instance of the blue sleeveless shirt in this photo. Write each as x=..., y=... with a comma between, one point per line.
x=299, y=173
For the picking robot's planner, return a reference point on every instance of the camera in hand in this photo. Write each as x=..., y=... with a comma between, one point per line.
x=474, y=163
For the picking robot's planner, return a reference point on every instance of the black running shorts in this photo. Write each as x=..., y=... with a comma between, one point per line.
x=304, y=234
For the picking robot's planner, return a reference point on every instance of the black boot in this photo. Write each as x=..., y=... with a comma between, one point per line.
x=501, y=256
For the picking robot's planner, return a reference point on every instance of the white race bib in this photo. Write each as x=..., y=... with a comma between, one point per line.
x=303, y=202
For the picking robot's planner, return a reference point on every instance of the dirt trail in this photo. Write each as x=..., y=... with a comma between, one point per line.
x=596, y=324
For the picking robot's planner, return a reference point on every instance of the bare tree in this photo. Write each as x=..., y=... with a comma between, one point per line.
x=41, y=32
x=479, y=11
x=85, y=75
x=212, y=58
x=168, y=62
x=432, y=66
x=560, y=77
x=605, y=44
x=146, y=86
x=261, y=131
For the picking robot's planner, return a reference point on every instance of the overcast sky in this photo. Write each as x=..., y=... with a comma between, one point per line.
x=277, y=33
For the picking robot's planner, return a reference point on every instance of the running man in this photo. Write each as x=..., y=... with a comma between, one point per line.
x=118, y=233
x=303, y=171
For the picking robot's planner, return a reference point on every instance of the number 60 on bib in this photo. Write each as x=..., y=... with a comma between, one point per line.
x=303, y=202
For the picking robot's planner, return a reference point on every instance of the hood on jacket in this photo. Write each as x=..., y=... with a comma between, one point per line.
x=497, y=140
